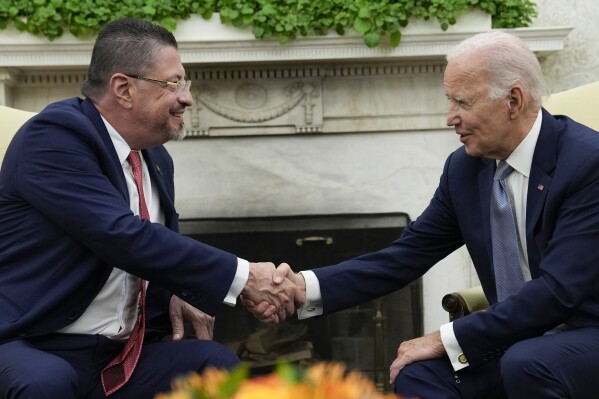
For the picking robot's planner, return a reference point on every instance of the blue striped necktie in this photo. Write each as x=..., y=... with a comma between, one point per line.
x=506, y=255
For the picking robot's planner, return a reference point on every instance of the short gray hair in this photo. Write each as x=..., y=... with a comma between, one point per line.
x=510, y=61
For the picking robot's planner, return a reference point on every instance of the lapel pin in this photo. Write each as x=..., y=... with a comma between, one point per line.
x=540, y=187
x=158, y=169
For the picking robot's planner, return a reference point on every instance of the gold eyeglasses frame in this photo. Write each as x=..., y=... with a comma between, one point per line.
x=179, y=85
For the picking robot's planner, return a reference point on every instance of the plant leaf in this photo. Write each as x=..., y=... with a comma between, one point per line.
x=362, y=25
x=372, y=39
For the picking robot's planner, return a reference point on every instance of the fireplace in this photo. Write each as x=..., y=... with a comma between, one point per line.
x=365, y=337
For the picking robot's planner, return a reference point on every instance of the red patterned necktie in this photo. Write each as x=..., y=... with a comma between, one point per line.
x=119, y=370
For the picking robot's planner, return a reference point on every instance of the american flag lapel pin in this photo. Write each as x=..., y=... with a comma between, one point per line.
x=540, y=187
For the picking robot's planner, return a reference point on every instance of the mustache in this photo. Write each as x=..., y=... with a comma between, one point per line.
x=178, y=109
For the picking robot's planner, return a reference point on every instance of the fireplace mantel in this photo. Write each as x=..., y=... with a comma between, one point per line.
x=210, y=42
x=214, y=53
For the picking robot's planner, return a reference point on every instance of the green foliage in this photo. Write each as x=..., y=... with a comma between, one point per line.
x=237, y=376
x=284, y=20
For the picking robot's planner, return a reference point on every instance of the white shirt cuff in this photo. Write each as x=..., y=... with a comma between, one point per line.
x=313, y=305
x=452, y=347
x=241, y=277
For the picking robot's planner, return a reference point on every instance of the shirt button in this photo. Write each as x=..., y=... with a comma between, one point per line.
x=311, y=309
x=462, y=358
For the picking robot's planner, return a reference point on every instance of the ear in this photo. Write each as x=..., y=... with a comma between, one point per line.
x=515, y=102
x=121, y=89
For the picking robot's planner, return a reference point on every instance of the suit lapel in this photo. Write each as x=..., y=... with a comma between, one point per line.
x=485, y=180
x=539, y=183
x=157, y=176
x=112, y=166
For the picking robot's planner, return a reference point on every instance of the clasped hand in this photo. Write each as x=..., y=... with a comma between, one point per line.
x=271, y=294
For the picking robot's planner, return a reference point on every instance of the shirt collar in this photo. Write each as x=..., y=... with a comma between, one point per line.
x=521, y=158
x=120, y=145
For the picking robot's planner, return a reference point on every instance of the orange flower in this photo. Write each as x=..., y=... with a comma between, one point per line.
x=330, y=380
x=209, y=383
x=321, y=381
x=270, y=386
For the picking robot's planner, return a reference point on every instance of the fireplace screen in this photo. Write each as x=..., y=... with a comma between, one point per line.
x=365, y=337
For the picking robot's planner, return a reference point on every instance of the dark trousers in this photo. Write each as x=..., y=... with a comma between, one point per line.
x=560, y=365
x=68, y=366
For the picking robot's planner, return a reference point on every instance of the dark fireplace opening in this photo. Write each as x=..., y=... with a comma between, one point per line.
x=364, y=337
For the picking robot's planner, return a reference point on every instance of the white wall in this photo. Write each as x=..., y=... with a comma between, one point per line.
x=578, y=62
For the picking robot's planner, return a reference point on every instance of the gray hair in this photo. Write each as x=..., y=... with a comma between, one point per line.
x=126, y=45
x=510, y=61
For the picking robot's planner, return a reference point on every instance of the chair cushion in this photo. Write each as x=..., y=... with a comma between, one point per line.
x=12, y=119
x=579, y=103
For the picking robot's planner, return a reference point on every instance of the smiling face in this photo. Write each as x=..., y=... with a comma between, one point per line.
x=159, y=108
x=485, y=125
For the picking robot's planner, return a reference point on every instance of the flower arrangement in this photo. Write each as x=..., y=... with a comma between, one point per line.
x=319, y=381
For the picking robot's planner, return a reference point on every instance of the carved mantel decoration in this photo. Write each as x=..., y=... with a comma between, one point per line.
x=232, y=107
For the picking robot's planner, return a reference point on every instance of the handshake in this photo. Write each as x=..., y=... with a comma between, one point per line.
x=271, y=294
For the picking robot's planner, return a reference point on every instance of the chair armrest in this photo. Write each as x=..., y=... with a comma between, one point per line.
x=464, y=302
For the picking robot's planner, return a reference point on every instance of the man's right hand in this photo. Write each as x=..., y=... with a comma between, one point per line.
x=269, y=295
x=283, y=280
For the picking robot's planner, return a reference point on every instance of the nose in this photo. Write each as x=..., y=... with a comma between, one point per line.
x=185, y=97
x=453, y=117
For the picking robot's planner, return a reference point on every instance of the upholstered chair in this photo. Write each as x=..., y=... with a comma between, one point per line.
x=11, y=119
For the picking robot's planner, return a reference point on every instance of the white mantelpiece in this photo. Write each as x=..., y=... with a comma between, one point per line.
x=210, y=42
x=245, y=86
x=323, y=125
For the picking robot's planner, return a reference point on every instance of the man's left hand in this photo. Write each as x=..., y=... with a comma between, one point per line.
x=181, y=312
x=428, y=347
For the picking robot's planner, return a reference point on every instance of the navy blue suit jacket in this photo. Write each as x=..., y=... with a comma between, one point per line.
x=65, y=222
x=562, y=236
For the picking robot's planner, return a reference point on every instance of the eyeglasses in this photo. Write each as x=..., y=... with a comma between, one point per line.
x=179, y=86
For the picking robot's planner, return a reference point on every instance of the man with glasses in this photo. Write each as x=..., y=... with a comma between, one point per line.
x=93, y=273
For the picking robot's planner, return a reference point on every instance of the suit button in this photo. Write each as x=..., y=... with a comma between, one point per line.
x=485, y=358
x=462, y=358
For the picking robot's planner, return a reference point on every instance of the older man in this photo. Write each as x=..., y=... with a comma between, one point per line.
x=522, y=194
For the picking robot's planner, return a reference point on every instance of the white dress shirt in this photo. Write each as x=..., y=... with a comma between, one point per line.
x=113, y=311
